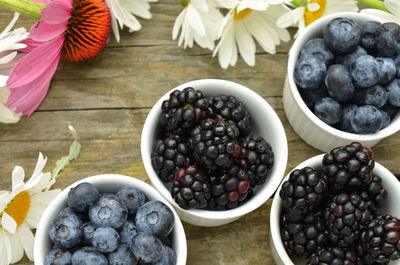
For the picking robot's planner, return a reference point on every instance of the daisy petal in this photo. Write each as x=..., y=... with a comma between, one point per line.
x=41, y=163
x=290, y=18
x=27, y=239
x=4, y=255
x=8, y=223
x=8, y=58
x=7, y=115
x=18, y=176
x=195, y=20
x=393, y=6
x=246, y=45
x=10, y=25
x=178, y=24
x=16, y=251
x=381, y=14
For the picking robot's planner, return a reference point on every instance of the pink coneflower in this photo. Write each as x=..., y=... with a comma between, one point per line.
x=75, y=30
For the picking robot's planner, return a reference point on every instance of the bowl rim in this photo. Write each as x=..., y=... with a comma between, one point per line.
x=293, y=55
x=276, y=206
x=41, y=231
x=249, y=206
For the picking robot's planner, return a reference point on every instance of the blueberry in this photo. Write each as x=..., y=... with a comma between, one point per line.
x=368, y=32
x=328, y=110
x=376, y=96
x=155, y=218
x=309, y=72
x=82, y=197
x=132, y=198
x=388, y=70
x=81, y=215
x=390, y=109
x=347, y=115
x=365, y=71
x=105, y=239
x=397, y=63
x=394, y=92
x=317, y=47
x=87, y=233
x=122, y=256
x=387, y=39
x=166, y=241
x=146, y=247
x=348, y=59
x=128, y=232
x=88, y=256
x=58, y=256
x=386, y=119
x=66, y=231
x=367, y=119
x=311, y=96
x=168, y=257
x=339, y=84
x=108, y=210
x=342, y=35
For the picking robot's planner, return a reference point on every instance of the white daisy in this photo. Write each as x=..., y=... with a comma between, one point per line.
x=305, y=12
x=9, y=43
x=248, y=20
x=198, y=22
x=393, y=6
x=123, y=12
x=21, y=209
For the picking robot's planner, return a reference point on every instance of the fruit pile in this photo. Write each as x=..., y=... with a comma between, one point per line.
x=350, y=78
x=111, y=229
x=331, y=216
x=207, y=153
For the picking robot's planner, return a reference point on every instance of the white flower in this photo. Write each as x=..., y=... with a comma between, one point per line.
x=312, y=10
x=123, y=12
x=198, y=22
x=21, y=209
x=392, y=5
x=9, y=43
x=255, y=20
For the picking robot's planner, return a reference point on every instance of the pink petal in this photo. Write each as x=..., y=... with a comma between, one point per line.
x=35, y=63
x=32, y=44
x=41, y=31
x=57, y=12
x=42, y=1
x=27, y=98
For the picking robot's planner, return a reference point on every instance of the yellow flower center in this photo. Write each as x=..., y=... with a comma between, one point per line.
x=18, y=207
x=310, y=16
x=242, y=14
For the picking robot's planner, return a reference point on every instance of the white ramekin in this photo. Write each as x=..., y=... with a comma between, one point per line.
x=391, y=206
x=104, y=183
x=308, y=126
x=265, y=122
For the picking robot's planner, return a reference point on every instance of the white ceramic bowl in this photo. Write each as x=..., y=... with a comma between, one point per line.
x=308, y=126
x=265, y=122
x=104, y=183
x=391, y=206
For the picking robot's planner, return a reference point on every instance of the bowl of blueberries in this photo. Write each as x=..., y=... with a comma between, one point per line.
x=110, y=220
x=215, y=149
x=343, y=81
x=337, y=208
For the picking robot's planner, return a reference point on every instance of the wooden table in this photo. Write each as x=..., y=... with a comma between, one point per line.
x=107, y=100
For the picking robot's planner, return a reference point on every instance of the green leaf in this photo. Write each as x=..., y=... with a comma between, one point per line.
x=74, y=151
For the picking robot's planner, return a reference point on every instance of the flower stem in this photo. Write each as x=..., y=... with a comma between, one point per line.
x=25, y=7
x=299, y=3
x=374, y=4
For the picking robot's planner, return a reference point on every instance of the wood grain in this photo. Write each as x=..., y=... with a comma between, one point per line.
x=107, y=100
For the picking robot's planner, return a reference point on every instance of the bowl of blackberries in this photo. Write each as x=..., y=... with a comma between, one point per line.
x=110, y=220
x=343, y=81
x=337, y=208
x=214, y=149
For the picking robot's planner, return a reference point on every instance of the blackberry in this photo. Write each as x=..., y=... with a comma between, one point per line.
x=230, y=108
x=214, y=144
x=363, y=258
x=333, y=256
x=381, y=240
x=169, y=155
x=183, y=110
x=191, y=188
x=302, y=193
x=229, y=188
x=375, y=193
x=258, y=158
x=305, y=237
x=346, y=215
x=348, y=167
